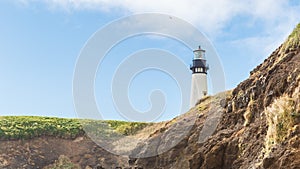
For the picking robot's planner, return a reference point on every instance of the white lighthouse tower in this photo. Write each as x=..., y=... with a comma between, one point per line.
x=199, y=77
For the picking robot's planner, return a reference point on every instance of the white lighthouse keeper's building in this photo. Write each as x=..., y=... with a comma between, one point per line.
x=199, y=77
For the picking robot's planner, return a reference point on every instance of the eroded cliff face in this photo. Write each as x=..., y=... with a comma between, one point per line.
x=259, y=125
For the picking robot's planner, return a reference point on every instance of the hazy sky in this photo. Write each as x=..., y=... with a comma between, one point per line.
x=40, y=41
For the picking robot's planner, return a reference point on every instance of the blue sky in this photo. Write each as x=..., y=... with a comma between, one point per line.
x=41, y=40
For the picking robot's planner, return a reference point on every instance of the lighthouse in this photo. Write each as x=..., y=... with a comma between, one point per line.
x=199, y=76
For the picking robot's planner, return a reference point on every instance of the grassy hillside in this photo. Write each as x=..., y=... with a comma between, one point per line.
x=26, y=127
x=292, y=42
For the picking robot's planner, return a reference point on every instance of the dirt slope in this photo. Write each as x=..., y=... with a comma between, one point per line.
x=43, y=151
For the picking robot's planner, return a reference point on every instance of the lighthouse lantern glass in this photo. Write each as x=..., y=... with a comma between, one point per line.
x=199, y=54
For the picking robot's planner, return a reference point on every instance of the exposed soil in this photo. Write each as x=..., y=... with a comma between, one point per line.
x=43, y=151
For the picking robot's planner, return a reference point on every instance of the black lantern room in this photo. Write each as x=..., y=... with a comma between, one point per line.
x=199, y=62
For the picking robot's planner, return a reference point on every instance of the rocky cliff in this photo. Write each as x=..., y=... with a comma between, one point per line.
x=259, y=125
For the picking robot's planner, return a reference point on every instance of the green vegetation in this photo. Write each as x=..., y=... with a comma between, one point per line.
x=293, y=40
x=63, y=162
x=26, y=127
x=281, y=117
x=112, y=128
x=126, y=128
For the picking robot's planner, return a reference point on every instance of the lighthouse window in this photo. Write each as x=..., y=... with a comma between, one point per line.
x=198, y=54
x=197, y=70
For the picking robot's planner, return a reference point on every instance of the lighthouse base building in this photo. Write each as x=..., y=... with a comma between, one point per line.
x=199, y=88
